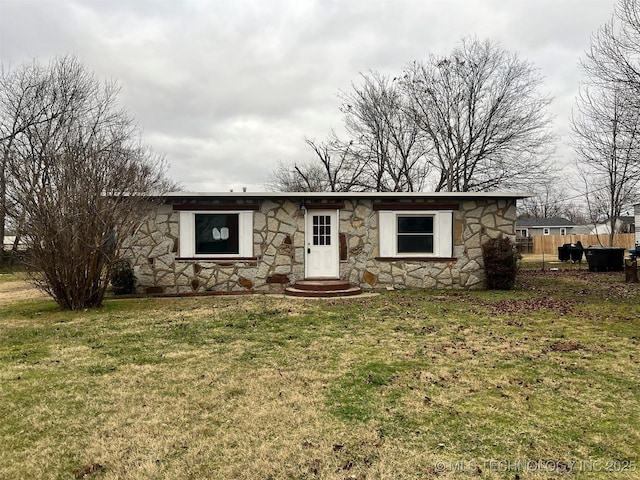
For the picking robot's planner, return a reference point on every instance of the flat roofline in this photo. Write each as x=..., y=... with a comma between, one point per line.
x=387, y=195
x=549, y=226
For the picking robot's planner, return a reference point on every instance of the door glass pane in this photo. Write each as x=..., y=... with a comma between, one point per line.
x=321, y=229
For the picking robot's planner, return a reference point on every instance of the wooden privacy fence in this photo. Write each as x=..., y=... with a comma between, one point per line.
x=548, y=244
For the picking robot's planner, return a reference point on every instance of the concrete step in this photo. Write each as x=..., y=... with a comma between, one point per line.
x=322, y=284
x=306, y=292
x=322, y=288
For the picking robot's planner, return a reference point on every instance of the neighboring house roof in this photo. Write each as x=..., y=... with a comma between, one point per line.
x=627, y=219
x=543, y=222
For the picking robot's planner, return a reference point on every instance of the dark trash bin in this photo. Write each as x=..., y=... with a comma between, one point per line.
x=575, y=252
x=605, y=259
x=563, y=253
x=570, y=251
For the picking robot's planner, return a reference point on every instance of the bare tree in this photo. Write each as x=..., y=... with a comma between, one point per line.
x=385, y=143
x=343, y=169
x=24, y=103
x=575, y=212
x=472, y=121
x=606, y=126
x=606, y=138
x=615, y=47
x=308, y=177
x=334, y=169
x=552, y=200
x=482, y=114
x=81, y=178
x=547, y=203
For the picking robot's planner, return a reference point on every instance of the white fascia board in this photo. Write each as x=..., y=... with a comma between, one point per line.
x=346, y=195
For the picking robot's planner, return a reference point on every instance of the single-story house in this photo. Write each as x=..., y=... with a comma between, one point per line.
x=622, y=224
x=263, y=242
x=533, y=227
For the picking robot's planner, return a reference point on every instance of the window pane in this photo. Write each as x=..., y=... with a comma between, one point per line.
x=415, y=224
x=415, y=243
x=321, y=230
x=327, y=230
x=217, y=233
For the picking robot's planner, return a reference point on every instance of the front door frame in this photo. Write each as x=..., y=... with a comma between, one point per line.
x=334, y=235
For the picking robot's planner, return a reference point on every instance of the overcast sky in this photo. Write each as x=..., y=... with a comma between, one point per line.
x=227, y=89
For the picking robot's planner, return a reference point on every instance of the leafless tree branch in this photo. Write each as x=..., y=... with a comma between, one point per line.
x=80, y=178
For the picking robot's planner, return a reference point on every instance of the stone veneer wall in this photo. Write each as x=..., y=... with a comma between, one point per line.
x=278, y=240
x=474, y=223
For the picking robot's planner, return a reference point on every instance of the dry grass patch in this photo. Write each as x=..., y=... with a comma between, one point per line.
x=376, y=388
x=14, y=287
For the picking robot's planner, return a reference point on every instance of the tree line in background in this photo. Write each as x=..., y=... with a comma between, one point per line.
x=551, y=201
x=75, y=177
x=474, y=120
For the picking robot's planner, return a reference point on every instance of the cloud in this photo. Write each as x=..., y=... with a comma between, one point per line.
x=226, y=89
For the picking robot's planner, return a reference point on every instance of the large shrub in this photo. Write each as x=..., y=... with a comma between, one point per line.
x=80, y=176
x=123, y=280
x=500, y=263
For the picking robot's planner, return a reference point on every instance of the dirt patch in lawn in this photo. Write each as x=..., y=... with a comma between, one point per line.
x=565, y=346
x=506, y=307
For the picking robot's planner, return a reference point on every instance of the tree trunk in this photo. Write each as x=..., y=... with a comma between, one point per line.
x=630, y=271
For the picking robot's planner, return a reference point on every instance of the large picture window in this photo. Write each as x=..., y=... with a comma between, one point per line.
x=416, y=234
x=216, y=234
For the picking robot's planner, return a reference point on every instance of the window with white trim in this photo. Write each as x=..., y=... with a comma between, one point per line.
x=563, y=231
x=416, y=233
x=226, y=234
x=546, y=231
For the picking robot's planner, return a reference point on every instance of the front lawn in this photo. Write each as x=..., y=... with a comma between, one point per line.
x=541, y=382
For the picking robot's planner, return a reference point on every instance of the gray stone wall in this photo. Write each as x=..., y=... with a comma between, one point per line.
x=474, y=223
x=278, y=247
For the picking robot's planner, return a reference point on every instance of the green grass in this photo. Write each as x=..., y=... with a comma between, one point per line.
x=9, y=267
x=536, y=261
x=9, y=276
x=405, y=385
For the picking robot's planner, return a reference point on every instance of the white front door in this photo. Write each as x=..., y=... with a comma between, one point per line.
x=321, y=236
